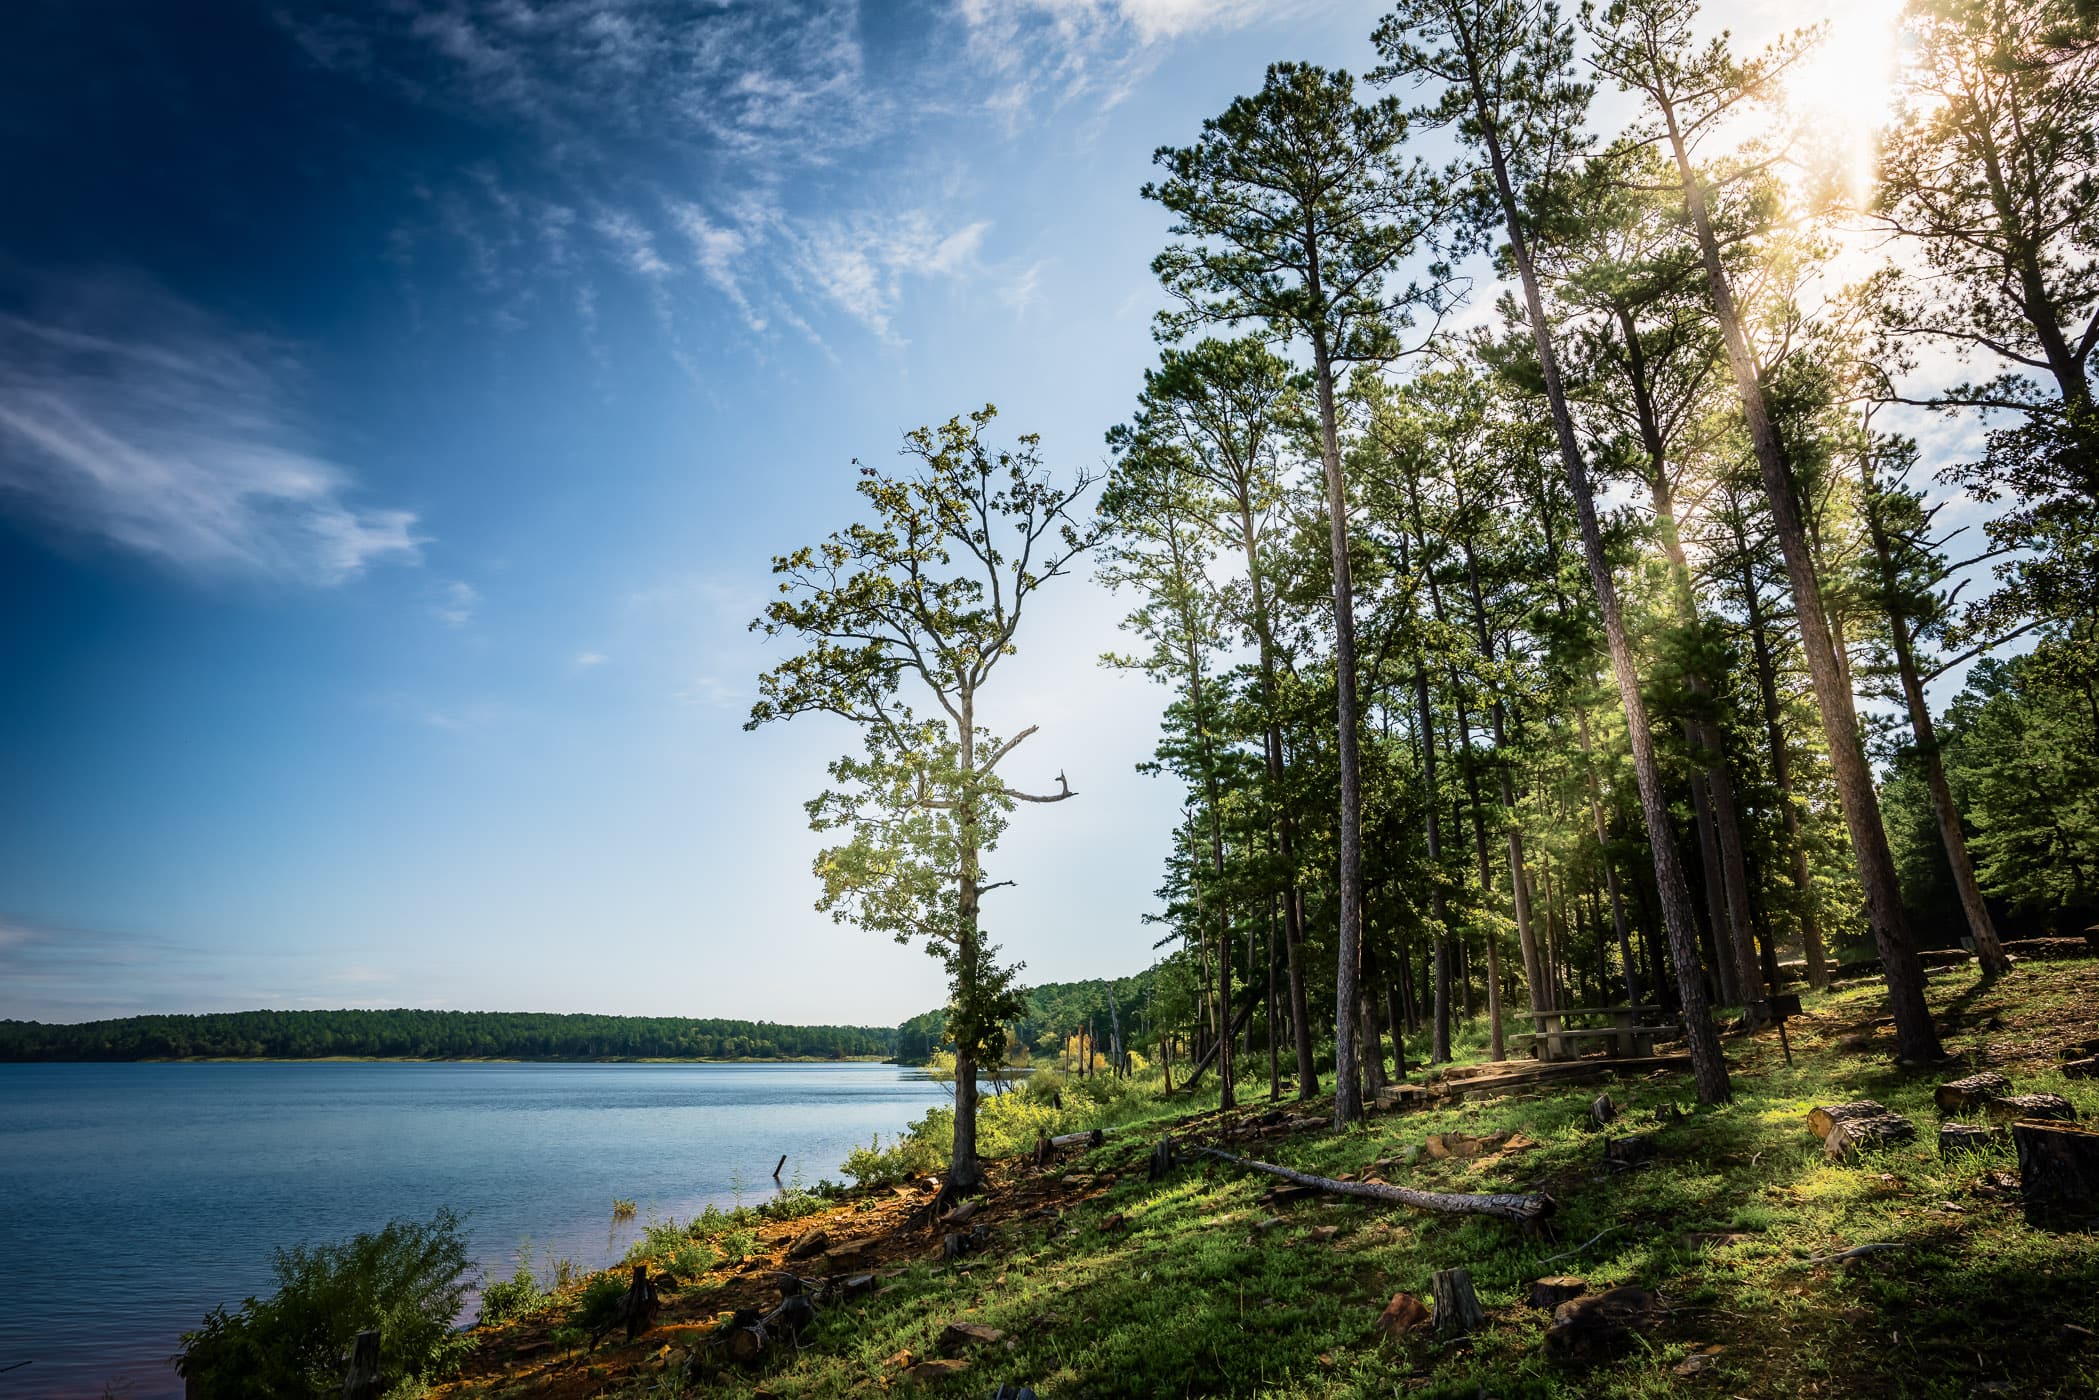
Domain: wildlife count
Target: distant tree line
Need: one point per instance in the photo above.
(437, 1035)
(1049, 1014)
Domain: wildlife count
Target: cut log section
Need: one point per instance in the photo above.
(2087, 1068)
(2050, 1108)
(1458, 1310)
(2058, 1175)
(1873, 1130)
(1523, 1209)
(1549, 1293)
(1956, 1138)
(1091, 1139)
(1968, 1095)
(1821, 1120)
(1623, 1154)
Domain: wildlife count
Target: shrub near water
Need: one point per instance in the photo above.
(407, 1281)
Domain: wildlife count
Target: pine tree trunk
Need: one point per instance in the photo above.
(1915, 1037)
(1988, 951)
(1811, 945)
(1348, 1091)
(1709, 1069)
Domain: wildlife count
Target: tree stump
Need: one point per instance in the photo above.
(1548, 1293)
(1873, 1130)
(1458, 1311)
(1821, 1120)
(1592, 1328)
(1162, 1160)
(1956, 1138)
(2058, 1175)
(1623, 1154)
(638, 1310)
(1603, 1111)
(1970, 1094)
(361, 1381)
(2049, 1108)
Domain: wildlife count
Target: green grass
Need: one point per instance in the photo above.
(1188, 1297)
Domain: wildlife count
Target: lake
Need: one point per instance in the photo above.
(135, 1197)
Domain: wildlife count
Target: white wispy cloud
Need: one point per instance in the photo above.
(860, 267)
(587, 659)
(1023, 291)
(455, 603)
(130, 417)
(634, 244)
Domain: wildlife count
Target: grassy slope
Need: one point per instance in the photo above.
(1186, 1295)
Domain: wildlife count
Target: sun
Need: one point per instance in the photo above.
(1841, 94)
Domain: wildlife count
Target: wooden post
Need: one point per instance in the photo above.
(362, 1380)
(778, 1166)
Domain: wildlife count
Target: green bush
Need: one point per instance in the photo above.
(407, 1281)
(673, 1248)
(597, 1309)
(912, 1154)
(512, 1297)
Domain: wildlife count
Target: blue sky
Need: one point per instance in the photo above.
(399, 405)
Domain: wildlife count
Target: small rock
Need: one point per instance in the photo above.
(1115, 1221)
(813, 1243)
(957, 1335)
(1405, 1314)
(1264, 1226)
(934, 1370)
(1323, 1234)
(1698, 1362)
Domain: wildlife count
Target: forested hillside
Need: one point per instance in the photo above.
(434, 1035)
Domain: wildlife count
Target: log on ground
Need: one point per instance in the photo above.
(2050, 1108)
(1956, 1138)
(1524, 1209)
(1967, 1095)
(1873, 1130)
(1821, 1120)
(2058, 1175)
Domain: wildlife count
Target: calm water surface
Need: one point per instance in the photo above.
(133, 1198)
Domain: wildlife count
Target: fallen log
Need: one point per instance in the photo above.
(1872, 1130)
(1548, 1293)
(1967, 1095)
(2052, 1108)
(2058, 1175)
(1821, 1120)
(1956, 1138)
(1091, 1138)
(2086, 1068)
(1523, 1209)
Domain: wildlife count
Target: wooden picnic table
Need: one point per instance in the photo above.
(1626, 1036)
